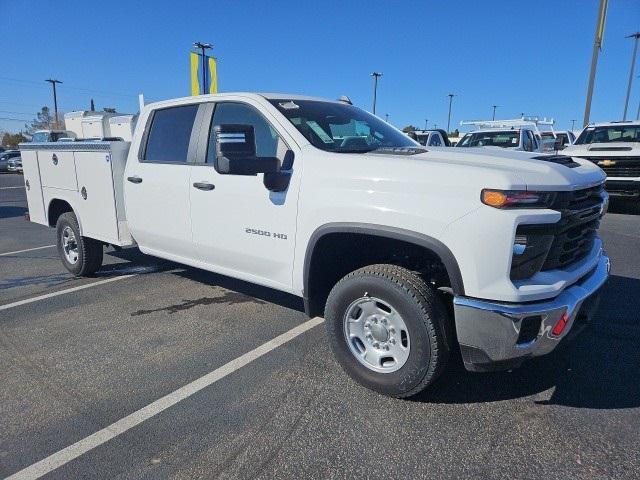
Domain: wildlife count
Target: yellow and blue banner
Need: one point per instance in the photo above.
(195, 61)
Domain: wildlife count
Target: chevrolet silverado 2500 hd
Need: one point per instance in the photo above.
(407, 251)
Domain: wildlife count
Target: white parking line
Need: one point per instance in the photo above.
(8, 188)
(25, 250)
(63, 292)
(96, 439)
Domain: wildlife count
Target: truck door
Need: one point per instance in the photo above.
(156, 184)
(239, 227)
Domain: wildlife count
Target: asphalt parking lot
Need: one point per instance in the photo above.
(78, 362)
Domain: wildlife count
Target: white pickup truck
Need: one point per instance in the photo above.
(409, 252)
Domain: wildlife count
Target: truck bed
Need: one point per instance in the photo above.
(88, 176)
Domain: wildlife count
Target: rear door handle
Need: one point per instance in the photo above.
(204, 186)
(135, 179)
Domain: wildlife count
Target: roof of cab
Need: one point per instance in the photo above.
(255, 96)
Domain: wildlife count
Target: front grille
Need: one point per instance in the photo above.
(575, 233)
(573, 236)
(623, 166)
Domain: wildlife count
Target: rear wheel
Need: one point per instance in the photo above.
(387, 329)
(80, 255)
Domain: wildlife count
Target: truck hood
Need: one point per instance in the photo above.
(520, 169)
(619, 149)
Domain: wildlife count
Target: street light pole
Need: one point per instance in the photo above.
(597, 45)
(494, 111)
(573, 122)
(451, 95)
(55, 97)
(633, 66)
(203, 47)
(386, 117)
(375, 76)
(426, 122)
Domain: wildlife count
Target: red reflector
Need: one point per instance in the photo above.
(559, 328)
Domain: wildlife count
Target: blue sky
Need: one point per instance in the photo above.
(530, 57)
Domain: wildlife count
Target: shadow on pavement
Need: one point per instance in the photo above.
(599, 369)
(11, 212)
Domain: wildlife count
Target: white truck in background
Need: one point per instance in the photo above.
(409, 252)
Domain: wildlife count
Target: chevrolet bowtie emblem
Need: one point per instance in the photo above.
(606, 163)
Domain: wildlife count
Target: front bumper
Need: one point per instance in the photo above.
(499, 336)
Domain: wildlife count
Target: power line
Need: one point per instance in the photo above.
(71, 87)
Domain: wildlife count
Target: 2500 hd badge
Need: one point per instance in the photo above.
(265, 233)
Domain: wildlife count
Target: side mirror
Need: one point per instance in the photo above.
(236, 151)
(279, 181)
(559, 144)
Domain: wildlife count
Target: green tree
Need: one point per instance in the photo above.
(409, 128)
(11, 140)
(43, 121)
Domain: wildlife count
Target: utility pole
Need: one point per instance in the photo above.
(375, 76)
(451, 95)
(426, 122)
(55, 97)
(494, 111)
(573, 122)
(597, 46)
(203, 47)
(633, 66)
(386, 117)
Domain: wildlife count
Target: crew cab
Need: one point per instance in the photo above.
(614, 147)
(408, 252)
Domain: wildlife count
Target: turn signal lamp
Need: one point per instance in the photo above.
(516, 199)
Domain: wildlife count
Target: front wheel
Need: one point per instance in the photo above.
(386, 327)
(80, 255)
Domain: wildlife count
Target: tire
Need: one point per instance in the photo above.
(87, 251)
(409, 303)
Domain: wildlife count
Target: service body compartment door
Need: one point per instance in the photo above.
(57, 169)
(33, 186)
(96, 204)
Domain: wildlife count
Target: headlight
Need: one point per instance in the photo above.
(517, 198)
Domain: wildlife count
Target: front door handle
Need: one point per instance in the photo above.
(134, 179)
(204, 186)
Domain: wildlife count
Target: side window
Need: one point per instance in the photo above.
(434, 141)
(268, 143)
(169, 134)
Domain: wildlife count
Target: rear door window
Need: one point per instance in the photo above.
(170, 133)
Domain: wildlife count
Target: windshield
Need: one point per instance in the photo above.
(613, 133)
(341, 128)
(40, 137)
(505, 139)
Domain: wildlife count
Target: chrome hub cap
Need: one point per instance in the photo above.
(376, 334)
(69, 245)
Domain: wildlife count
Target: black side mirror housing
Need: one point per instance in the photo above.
(279, 181)
(559, 145)
(236, 151)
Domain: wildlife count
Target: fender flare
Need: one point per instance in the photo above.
(436, 246)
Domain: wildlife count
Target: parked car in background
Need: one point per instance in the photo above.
(510, 138)
(42, 136)
(614, 147)
(559, 138)
(5, 157)
(15, 164)
(431, 138)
